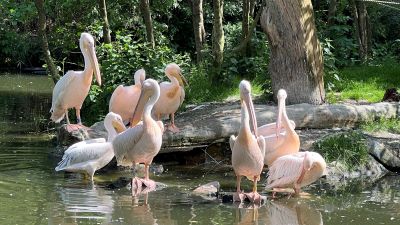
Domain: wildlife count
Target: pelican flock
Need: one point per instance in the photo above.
(143, 104)
(88, 156)
(71, 90)
(124, 99)
(172, 95)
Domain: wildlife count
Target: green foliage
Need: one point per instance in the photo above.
(348, 148)
(388, 125)
(364, 82)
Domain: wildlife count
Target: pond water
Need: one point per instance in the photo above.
(32, 193)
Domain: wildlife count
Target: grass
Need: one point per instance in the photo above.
(348, 148)
(365, 82)
(388, 125)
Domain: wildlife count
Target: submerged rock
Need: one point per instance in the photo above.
(208, 191)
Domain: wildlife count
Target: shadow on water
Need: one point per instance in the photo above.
(32, 193)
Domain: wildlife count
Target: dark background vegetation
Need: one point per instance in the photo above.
(174, 42)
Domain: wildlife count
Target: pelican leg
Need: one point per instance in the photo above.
(238, 196)
(150, 184)
(254, 196)
(78, 116)
(172, 126)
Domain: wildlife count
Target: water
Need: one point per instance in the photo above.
(32, 193)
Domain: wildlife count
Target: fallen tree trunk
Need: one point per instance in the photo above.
(206, 124)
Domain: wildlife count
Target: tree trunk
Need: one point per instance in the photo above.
(51, 67)
(360, 17)
(198, 27)
(218, 40)
(332, 12)
(145, 8)
(106, 26)
(296, 63)
(252, 7)
(245, 41)
(245, 23)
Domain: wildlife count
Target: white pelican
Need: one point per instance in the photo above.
(140, 143)
(71, 90)
(88, 156)
(296, 170)
(172, 95)
(248, 149)
(284, 142)
(124, 99)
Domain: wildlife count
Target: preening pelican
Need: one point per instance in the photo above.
(140, 143)
(172, 95)
(296, 170)
(71, 90)
(286, 141)
(88, 156)
(248, 149)
(124, 99)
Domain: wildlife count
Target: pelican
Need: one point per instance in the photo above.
(248, 149)
(172, 95)
(140, 143)
(296, 170)
(88, 156)
(71, 90)
(124, 99)
(285, 141)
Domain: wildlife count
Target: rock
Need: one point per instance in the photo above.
(385, 148)
(212, 123)
(339, 177)
(208, 191)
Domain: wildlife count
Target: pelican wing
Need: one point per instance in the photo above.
(125, 142)
(182, 96)
(58, 95)
(84, 153)
(261, 145)
(83, 143)
(285, 170)
(115, 95)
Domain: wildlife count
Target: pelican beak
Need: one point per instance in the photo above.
(138, 113)
(252, 114)
(182, 80)
(281, 106)
(95, 64)
(118, 126)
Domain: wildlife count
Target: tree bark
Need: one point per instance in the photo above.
(145, 8)
(245, 23)
(360, 17)
(51, 67)
(296, 56)
(332, 12)
(252, 7)
(218, 39)
(198, 27)
(106, 25)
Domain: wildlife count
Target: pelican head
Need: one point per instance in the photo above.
(86, 43)
(139, 77)
(148, 97)
(281, 96)
(174, 70)
(245, 97)
(113, 123)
